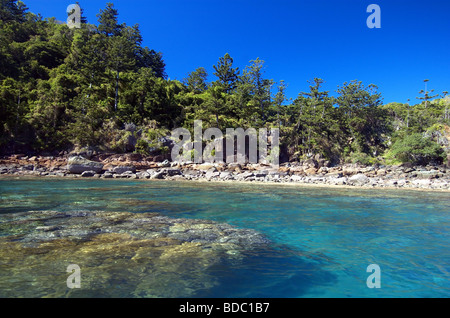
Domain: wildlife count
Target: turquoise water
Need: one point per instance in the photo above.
(323, 239)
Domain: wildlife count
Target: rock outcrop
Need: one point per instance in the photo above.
(78, 165)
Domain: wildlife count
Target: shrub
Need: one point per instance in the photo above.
(142, 147)
(362, 158)
(417, 149)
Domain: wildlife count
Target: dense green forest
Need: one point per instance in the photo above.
(98, 87)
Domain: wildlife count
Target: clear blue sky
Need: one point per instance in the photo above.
(298, 39)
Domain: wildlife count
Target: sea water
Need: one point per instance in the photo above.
(322, 239)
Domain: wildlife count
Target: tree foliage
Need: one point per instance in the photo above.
(417, 149)
(62, 87)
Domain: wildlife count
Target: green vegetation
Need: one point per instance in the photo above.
(97, 86)
(417, 149)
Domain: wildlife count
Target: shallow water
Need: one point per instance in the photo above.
(323, 239)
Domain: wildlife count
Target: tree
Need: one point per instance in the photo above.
(361, 117)
(83, 18)
(146, 58)
(10, 101)
(260, 88)
(215, 102)
(88, 57)
(226, 74)
(8, 65)
(58, 85)
(314, 130)
(417, 149)
(108, 21)
(12, 10)
(426, 94)
(241, 99)
(446, 113)
(279, 99)
(122, 49)
(196, 81)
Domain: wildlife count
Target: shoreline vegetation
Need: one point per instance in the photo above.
(99, 87)
(306, 173)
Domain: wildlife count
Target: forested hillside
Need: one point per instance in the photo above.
(99, 87)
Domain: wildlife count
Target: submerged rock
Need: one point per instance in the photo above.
(120, 254)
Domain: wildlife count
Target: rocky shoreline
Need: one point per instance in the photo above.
(309, 172)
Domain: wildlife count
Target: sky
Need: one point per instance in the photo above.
(298, 39)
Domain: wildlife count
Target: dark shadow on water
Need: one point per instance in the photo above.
(268, 273)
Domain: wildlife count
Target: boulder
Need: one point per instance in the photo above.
(78, 165)
(311, 171)
(226, 175)
(335, 174)
(234, 167)
(311, 163)
(192, 173)
(86, 152)
(143, 175)
(210, 174)
(158, 175)
(164, 164)
(134, 157)
(351, 171)
(122, 169)
(261, 173)
(172, 171)
(433, 174)
(107, 175)
(247, 174)
(296, 178)
(206, 166)
(284, 169)
(409, 170)
(359, 179)
(339, 181)
(422, 183)
(88, 174)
